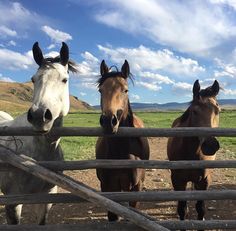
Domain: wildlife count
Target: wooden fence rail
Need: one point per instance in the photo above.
(107, 200)
(123, 132)
(124, 226)
(147, 164)
(159, 196)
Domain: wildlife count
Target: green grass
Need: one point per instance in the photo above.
(84, 147)
(228, 120)
(76, 148)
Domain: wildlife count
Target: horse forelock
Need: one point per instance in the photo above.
(208, 92)
(112, 74)
(50, 61)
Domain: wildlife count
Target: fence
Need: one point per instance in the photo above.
(43, 170)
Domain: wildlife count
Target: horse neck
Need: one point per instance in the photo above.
(191, 144)
(127, 119)
(119, 146)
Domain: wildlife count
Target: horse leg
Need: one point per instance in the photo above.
(180, 185)
(112, 187)
(42, 210)
(200, 205)
(136, 188)
(13, 214)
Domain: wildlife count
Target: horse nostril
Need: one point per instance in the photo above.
(48, 115)
(29, 116)
(101, 120)
(114, 120)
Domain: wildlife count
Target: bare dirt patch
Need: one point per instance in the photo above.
(155, 180)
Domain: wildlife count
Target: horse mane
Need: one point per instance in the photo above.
(130, 115)
(72, 66)
(184, 116)
(113, 74)
(208, 92)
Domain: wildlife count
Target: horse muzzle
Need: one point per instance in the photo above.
(40, 118)
(109, 124)
(210, 146)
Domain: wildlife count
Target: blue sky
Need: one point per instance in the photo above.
(168, 44)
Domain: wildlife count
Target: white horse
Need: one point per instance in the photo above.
(50, 104)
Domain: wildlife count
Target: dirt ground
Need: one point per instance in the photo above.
(155, 180)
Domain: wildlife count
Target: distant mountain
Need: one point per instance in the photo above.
(224, 103)
(17, 97)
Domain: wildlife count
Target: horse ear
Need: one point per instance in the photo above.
(125, 69)
(196, 89)
(37, 53)
(103, 68)
(64, 54)
(215, 87)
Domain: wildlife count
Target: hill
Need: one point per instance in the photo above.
(17, 97)
(224, 104)
(174, 106)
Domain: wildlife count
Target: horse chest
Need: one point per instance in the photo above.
(122, 148)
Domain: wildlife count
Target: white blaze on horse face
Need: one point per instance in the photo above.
(51, 90)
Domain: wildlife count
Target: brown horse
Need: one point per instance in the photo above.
(116, 112)
(202, 112)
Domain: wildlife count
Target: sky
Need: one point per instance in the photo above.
(168, 44)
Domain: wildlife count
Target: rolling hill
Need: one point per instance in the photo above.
(174, 106)
(17, 97)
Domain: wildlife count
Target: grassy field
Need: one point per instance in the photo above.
(84, 147)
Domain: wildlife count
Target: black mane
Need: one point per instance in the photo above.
(208, 92)
(184, 116)
(71, 64)
(112, 74)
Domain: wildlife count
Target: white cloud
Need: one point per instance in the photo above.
(157, 77)
(15, 19)
(89, 85)
(229, 92)
(188, 26)
(83, 93)
(89, 68)
(5, 79)
(5, 31)
(231, 3)
(149, 86)
(52, 54)
(11, 43)
(51, 46)
(182, 86)
(14, 60)
(143, 58)
(225, 70)
(56, 35)
(135, 97)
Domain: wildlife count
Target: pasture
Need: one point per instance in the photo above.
(76, 148)
(83, 147)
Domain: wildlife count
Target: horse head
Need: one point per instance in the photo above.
(113, 86)
(51, 91)
(204, 112)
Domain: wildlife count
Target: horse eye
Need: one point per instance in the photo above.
(126, 91)
(65, 80)
(32, 80)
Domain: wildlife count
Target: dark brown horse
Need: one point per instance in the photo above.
(202, 112)
(116, 112)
